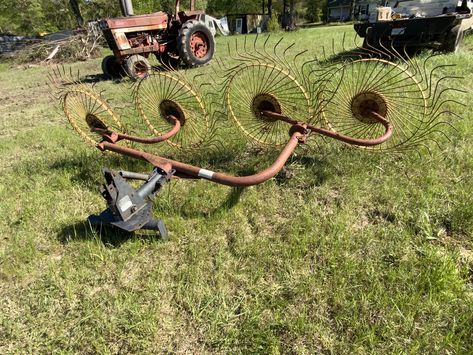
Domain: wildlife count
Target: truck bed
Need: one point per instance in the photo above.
(413, 32)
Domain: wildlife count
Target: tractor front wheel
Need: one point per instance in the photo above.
(137, 67)
(196, 44)
(111, 67)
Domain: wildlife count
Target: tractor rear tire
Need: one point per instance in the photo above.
(196, 44)
(137, 67)
(111, 67)
(453, 40)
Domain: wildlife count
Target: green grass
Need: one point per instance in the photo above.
(346, 252)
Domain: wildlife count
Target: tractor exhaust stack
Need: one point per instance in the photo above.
(126, 6)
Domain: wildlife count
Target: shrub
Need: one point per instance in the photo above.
(273, 23)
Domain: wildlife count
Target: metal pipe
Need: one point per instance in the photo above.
(196, 172)
(115, 137)
(149, 187)
(133, 176)
(126, 6)
(350, 140)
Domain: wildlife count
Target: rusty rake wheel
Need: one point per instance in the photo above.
(375, 85)
(87, 111)
(164, 94)
(258, 87)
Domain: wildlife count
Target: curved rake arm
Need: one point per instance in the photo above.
(350, 140)
(114, 137)
(191, 171)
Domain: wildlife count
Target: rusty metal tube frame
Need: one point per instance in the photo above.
(114, 137)
(346, 139)
(191, 171)
(298, 133)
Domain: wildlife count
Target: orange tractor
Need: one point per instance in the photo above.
(174, 39)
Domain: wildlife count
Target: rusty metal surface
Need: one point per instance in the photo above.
(114, 137)
(157, 18)
(196, 172)
(343, 138)
(139, 50)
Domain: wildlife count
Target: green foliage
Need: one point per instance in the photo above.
(222, 7)
(30, 17)
(150, 6)
(58, 15)
(315, 10)
(25, 17)
(97, 9)
(273, 23)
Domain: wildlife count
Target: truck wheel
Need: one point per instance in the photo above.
(195, 43)
(137, 67)
(111, 67)
(453, 40)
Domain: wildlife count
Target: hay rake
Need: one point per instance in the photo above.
(275, 97)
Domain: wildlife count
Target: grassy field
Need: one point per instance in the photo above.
(345, 252)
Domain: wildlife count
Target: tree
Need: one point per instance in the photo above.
(27, 17)
(223, 7)
(289, 15)
(76, 11)
(97, 9)
(315, 10)
(58, 14)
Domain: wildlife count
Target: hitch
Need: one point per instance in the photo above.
(130, 209)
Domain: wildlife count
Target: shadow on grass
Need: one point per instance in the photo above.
(87, 169)
(109, 236)
(347, 55)
(317, 171)
(84, 231)
(231, 201)
(114, 237)
(94, 78)
(386, 53)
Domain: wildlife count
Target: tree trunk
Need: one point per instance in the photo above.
(292, 15)
(192, 5)
(352, 10)
(76, 11)
(270, 7)
(285, 15)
